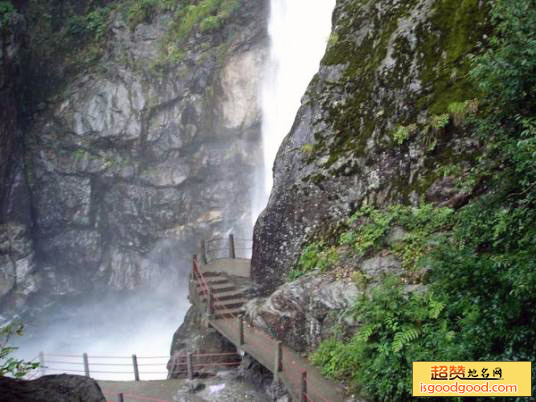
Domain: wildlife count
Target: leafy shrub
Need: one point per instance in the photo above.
(314, 257)
(397, 328)
(8, 364)
(402, 133)
(205, 15)
(6, 10)
(211, 23)
(94, 24)
(460, 110)
(480, 303)
(141, 11)
(440, 121)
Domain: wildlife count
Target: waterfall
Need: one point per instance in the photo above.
(299, 31)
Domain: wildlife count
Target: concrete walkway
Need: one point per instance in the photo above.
(163, 390)
(230, 266)
(261, 346)
(224, 387)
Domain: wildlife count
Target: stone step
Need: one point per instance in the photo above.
(222, 288)
(220, 285)
(215, 281)
(208, 274)
(220, 316)
(233, 308)
(233, 305)
(225, 299)
(228, 304)
(229, 294)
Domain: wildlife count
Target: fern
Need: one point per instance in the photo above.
(405, 337)
(365, 333)
(436, 307)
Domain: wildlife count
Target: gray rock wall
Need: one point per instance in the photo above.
(367, 130)
(126, 163)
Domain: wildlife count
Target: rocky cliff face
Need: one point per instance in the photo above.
(374, 126)
(135, 155)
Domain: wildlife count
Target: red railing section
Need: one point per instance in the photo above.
(304, 382)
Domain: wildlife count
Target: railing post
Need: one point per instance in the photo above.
(42, 363)
(232, 251)
(135, 365)
(304, 386)
(86, 364)
(210, 307)
(204, 257)
(278, 366)
(241, 330)
(120, 397)
(189, 366)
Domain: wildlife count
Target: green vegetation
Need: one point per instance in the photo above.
(333, 39)
(397, 328)
(402, 133)
(66, 38)
(440, 121)
(205, 15)
(140, 11)
(8, 364)
(445, 44)
(366, 232)
(308, 148)
(6, 11)
(92, 26)
(480, 299)
(314, 257)
(459, 111)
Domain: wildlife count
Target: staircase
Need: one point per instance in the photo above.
(227, 298)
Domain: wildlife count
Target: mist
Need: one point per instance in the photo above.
(114, 323)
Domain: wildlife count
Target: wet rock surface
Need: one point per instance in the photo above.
(373, 128)
(123, 164)
(58, 388)
(195, 336)
(302, 313)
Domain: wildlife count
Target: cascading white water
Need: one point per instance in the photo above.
(299, 31)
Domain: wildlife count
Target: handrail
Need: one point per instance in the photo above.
(198, 276)
(83, 364)
(281, 360)
(226, 249)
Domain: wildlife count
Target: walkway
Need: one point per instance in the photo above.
(223, 301)
(156, 390)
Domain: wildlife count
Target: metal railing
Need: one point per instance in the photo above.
(136, 366)
(303, 381)
(88, 365)
(225, 247)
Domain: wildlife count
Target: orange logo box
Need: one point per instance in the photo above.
(472, 378)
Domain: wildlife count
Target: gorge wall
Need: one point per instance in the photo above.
(136, 135)
(368, 131)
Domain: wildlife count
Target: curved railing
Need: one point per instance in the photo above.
(225, 247)
(304, 382)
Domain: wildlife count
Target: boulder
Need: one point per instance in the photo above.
(51, 388)
(302, 313)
